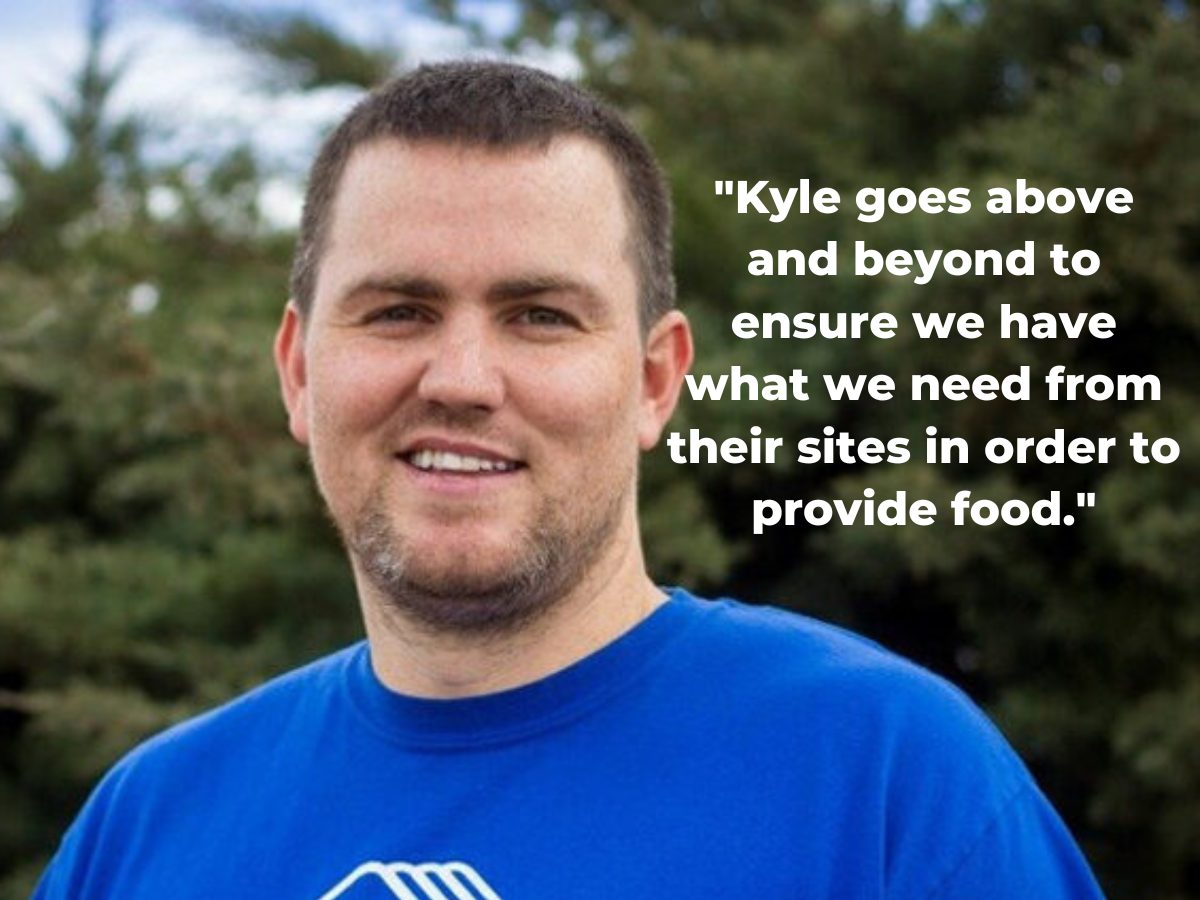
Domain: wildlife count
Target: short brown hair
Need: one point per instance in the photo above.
(496, 105)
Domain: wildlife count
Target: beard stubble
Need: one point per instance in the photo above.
(553, 554)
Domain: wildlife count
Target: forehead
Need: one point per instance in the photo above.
(554, 166)
(449, 207)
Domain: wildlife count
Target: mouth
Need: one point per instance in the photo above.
(460, 460)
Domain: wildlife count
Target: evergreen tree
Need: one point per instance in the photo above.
(161, 547)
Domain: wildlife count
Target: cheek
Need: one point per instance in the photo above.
(588, 401)
(351, 398)
(353, 393)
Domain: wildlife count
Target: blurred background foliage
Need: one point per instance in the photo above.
(161, 547)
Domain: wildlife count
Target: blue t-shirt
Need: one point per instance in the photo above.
(715, 750)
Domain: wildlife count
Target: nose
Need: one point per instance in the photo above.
(463, 369)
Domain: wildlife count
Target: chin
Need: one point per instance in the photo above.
(462, 595)
(478, 575)
(465, 572)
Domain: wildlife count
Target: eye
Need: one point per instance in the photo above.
(544, 317)
(397, 314)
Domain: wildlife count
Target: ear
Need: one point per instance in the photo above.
(291, 367)
(668, 356)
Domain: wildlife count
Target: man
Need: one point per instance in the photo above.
(481, 340)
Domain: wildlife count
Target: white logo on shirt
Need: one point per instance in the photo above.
(420, 881)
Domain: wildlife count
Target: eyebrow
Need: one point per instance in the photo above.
(521, 287)
(400, 284)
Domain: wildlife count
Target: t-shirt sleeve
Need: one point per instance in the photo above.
(965, 817)
(1024, 851)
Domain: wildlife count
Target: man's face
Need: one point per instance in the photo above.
(471, 379)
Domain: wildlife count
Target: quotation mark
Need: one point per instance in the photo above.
(1083, 501)
(723, 188)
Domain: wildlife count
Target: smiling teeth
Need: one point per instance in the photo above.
(443, 460)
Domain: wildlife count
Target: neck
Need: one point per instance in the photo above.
(614, 597)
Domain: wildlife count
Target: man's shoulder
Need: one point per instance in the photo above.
(784, 646)
(251, 720)
(785, 666)
(889, 739)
